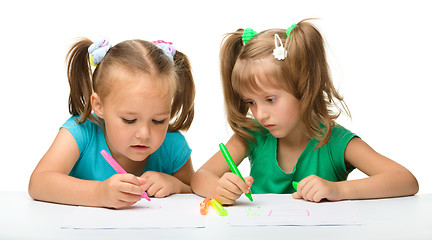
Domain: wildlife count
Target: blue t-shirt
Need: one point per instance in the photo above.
(169, 158)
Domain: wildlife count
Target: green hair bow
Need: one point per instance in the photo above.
(290, 29)
(248, 33)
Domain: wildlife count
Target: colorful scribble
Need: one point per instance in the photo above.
(289, 213)
(152, 207)
(255, 211)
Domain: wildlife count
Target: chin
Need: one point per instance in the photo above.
(278, 134)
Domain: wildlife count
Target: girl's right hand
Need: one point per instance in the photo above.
(230, 187)
(120, 190)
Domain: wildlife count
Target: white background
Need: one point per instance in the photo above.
(379, 53)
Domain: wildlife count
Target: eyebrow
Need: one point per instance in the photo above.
(164, 113)
(158, 114)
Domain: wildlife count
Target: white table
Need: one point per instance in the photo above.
(404, 218)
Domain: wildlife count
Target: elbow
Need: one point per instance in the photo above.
(31, 191)
(194, 182)
(411, 184)
(198, 183)
(414, 186)
(32, 188)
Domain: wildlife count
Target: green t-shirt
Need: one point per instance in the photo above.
(327, 162)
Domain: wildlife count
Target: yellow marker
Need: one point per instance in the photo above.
(218, 207)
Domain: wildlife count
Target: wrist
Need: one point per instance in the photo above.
(344, 190)
(181, 187)
(98, 195)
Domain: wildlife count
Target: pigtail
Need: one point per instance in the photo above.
(236, 108)
(183, 102)
(80, 80)
(315, 90)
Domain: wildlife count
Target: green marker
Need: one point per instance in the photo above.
(294, 184)
(233, 166)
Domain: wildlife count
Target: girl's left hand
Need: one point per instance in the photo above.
(315, 189)
(158, 184)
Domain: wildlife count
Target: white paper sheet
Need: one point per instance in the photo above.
(278, 209)
(176, 211)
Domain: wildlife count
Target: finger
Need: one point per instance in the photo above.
(153, 189)
(226, 182)
(302, 183)
(129, 198)
(130, 178)
(296, 195)
(131, 189)
(161, 193)
(249, 181)
(318, 196)
(146, 183)
(226, 193)
(146, 174)
(131, 184)
(224, 201)
(122, 204)
(142, 180)
(239, 183)
(313, 190)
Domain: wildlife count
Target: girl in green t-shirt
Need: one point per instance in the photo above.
(282, 78)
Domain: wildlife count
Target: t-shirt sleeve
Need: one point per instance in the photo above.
(179, 152)
(338, 142)
(77, 132)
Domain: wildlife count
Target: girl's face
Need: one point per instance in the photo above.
(136, 113)
(275, 109)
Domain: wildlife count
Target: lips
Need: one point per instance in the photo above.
(140, 147)
(269, 126)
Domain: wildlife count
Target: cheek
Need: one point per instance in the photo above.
(159, 134)
(116, 133)
(289, 114)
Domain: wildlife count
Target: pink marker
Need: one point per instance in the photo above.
(118, 168)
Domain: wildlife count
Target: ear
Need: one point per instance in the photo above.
(96, 104)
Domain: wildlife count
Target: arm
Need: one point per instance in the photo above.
(214, 179)
(50, 180)
(160, 185)
(386, 178)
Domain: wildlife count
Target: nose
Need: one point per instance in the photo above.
(143, 131)
(261, 114)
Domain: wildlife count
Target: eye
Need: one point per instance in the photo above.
(250, 102)
(271, 100)
(157, 122)
(128, 121)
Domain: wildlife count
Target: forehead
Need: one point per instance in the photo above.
(135, 91)
(121, 80)
(255, 76)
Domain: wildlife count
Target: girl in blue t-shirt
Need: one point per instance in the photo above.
(132, 105)
(281, 77)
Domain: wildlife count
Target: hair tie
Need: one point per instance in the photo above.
(279, 52)
(167, 48)
(248, 33)
(290, 29)
(98, 51)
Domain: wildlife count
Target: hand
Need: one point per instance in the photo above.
(315, 189)
(120, 190)
(159, 184)
(230, 187)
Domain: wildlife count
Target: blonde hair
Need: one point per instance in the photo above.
(304, 73)
(136, 56)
